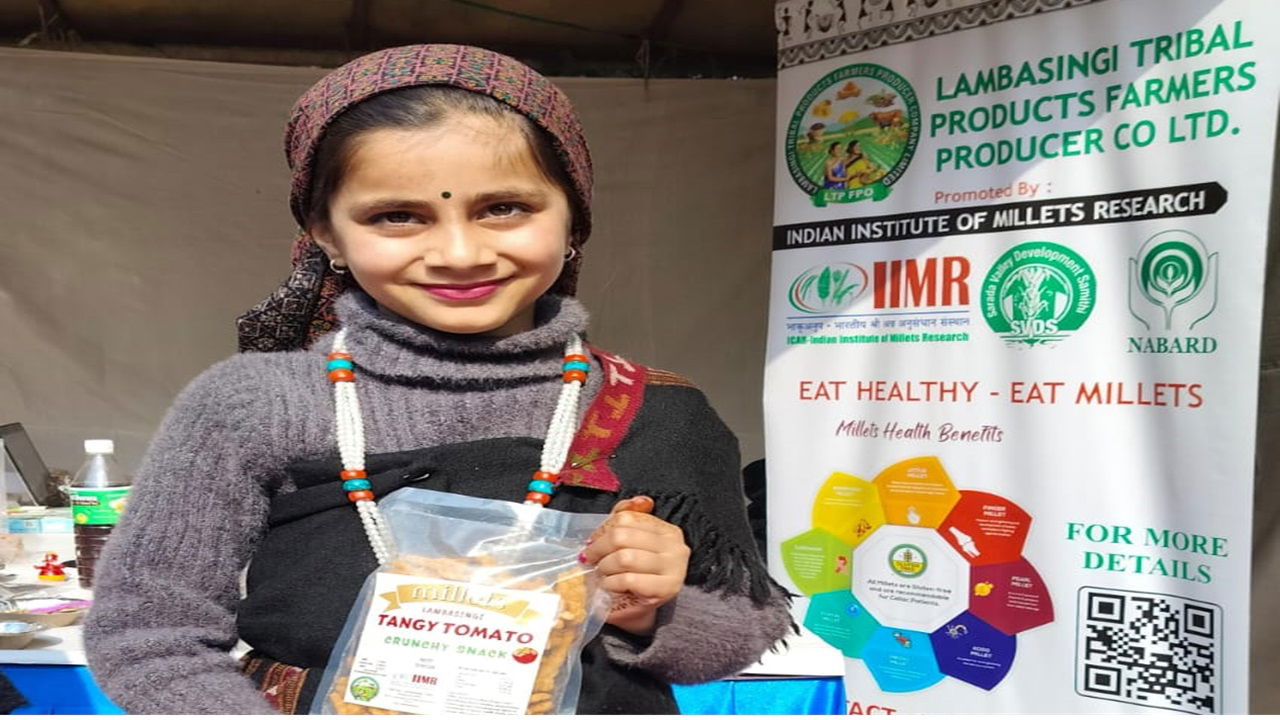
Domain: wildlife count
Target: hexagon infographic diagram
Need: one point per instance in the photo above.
(917, 579)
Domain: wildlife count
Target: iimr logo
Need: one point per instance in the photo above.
(828, 289)
(895, 284)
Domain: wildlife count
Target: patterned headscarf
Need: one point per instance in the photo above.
(302, 308)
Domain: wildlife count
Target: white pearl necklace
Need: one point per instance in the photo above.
(351, 442)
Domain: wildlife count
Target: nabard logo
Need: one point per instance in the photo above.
(1173, 287)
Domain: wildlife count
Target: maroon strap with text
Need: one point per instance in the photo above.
(605, 423)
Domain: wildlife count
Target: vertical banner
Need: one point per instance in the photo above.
(1013, 346)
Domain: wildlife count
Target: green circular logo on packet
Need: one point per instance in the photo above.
(853, 134)
(1038, 293)
(364, 689)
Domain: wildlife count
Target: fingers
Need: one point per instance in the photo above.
(627, 521)
(636, 551)
(638, 561)
(632, 512)
(642, 561)
(633, 530)
(643, 587)
(639, 503)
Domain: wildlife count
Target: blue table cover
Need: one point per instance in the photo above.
(775, 696)
(58, 690)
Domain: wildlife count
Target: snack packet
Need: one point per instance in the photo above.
(484, 609)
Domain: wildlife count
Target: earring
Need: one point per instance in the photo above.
(573, 253)
(336, 268)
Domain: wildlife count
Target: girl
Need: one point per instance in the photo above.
(861, 170)
(445, 196)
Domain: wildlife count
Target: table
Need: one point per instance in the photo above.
(51, 672)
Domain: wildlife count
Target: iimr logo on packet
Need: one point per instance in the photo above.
(1038, 293)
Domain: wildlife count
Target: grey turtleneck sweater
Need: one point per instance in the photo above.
(167, 586)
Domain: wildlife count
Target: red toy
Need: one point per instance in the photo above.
(51, 570)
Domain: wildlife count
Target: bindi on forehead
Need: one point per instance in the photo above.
(446, 194)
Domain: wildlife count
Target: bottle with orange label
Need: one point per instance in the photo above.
(98, 494)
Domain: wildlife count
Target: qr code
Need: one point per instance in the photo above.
(1149, 649)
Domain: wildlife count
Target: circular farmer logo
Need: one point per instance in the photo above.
(907, 561)
(1038, 293)
(364, 689)
(827, 288)
(853, 134)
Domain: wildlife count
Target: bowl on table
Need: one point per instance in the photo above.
(17, 634)
(48, 611)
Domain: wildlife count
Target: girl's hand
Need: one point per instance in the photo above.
(643, 560)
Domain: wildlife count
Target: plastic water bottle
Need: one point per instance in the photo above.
(98, 495)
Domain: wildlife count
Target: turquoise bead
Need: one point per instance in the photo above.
(341, 365)
(579, 366)
(542, 486)
(356, 485)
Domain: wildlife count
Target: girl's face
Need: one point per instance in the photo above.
(453, 227)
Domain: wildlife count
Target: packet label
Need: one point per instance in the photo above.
(430, 646)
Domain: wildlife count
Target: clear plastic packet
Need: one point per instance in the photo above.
(484, 609)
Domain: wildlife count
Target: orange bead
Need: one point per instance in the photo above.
(359, 495)
(577, 358)
(540, 498)
(342, 376)
(339, 356)
(353, 475)
(575, 375)
(544, 475)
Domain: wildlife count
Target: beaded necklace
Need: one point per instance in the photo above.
(350, 432)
